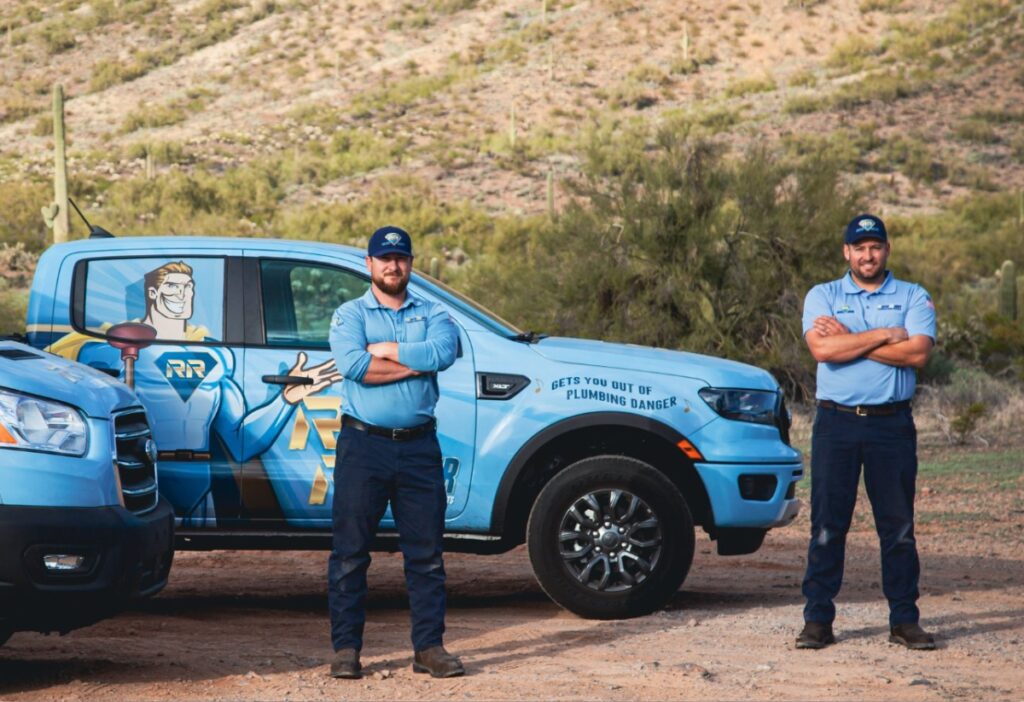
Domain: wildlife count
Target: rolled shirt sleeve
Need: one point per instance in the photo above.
(920, 319)
(437, 352)
(348, 342)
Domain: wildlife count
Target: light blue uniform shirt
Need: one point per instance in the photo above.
(895, 304)
(427, 342)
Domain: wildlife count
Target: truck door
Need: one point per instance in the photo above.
(185, 377)
(289, 481)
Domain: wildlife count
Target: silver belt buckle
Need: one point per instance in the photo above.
(860, 411)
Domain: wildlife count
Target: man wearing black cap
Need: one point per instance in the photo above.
(389, 345)
(868, 331)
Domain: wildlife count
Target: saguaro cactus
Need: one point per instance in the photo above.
(1008, 290)
(61, 221)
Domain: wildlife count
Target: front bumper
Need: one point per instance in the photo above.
(731, 508)
(126, 557)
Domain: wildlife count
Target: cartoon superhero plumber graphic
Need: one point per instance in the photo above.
(191, 395)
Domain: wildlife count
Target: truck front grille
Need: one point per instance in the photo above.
(135, 467)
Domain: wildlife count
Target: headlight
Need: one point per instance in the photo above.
(28, 422)
(757, 406)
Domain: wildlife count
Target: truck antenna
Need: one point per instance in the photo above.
(95, 232)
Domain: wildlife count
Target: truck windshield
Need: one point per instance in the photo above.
(468, 307)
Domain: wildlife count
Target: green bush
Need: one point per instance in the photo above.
(13, 308)
(805, 104)
(914, 157)
(749, 86)
(682, 246)
(976, 131)
(20, 219)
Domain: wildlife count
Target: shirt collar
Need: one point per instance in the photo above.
(411, 299)
(851, 288)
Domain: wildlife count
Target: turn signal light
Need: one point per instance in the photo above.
(690, 450)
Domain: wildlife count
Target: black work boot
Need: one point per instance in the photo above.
(346, 664)
(815, 635)
(912, 636)
(438, 662)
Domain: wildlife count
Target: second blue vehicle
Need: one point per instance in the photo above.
(601, 457)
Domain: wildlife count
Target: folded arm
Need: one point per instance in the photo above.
(830, 341)
(355, 359)
(435, 353)
(912, 353)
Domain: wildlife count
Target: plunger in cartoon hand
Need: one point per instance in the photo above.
(130, 337)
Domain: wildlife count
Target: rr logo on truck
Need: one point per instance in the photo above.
(191, 368)
(185, 371)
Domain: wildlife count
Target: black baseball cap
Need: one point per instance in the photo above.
(865, 226)
(389, 240)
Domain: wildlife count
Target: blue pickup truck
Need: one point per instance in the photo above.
(83, 529)
(601, 457)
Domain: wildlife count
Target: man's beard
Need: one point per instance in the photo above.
(396, 288)
(876, 278)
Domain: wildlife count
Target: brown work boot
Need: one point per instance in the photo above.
(815, 635)
(912, 636)
(346, 664)
(438, 662)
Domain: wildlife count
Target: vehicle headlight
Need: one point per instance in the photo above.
(35, 424)
(757, 406)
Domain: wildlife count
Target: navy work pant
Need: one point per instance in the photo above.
(369, 472)
(886, 446)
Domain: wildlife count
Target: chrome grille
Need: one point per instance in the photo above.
(135, 469)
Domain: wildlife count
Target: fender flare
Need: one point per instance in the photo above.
(583, 421)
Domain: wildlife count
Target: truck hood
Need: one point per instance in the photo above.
(716, 372)
(33, 372)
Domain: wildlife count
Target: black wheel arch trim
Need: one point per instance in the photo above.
(536, 443)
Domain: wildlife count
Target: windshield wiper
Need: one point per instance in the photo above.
(530, 337)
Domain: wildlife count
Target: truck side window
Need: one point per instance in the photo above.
(182, 298)
(299, 299)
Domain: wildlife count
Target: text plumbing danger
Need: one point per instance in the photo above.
(614, 392)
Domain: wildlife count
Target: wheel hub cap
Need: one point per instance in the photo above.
(610, 540)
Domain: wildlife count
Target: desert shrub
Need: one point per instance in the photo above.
(850, 55)
(803, 79)
(749, 86)
(976, 131)
(881, 87)
(954, 253)
(13, 308)
(913, 157)
(805, 104)
(20, 220)
(678, 245)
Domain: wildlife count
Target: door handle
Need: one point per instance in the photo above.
(287, 380)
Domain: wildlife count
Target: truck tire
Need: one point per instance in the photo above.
(610, 537)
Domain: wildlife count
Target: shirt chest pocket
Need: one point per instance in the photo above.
(415, 328)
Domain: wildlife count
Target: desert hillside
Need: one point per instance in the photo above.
(482, 99)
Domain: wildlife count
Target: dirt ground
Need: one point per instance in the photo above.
(253, 625)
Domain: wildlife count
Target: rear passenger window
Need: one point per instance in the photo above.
(299, 300)
(182, 298)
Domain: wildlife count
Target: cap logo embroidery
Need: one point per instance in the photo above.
(866, 224)
(393, 239)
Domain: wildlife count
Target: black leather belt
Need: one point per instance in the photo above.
(396, 434)
(866, 410)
